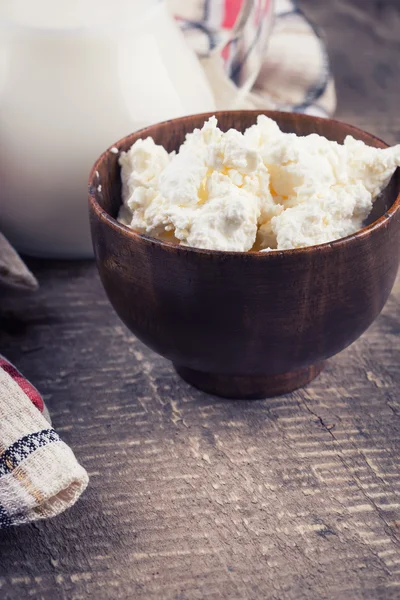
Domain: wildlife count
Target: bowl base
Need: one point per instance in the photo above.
(249, 387)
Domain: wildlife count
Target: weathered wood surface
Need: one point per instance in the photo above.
(192, 497)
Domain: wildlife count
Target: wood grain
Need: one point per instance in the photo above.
(190, 497)
(292, 498)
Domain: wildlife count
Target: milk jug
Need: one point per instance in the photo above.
(75, 77)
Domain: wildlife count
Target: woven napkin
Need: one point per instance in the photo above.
(39, 474)
(295, 75)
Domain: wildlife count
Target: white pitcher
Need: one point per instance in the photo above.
(74, 77)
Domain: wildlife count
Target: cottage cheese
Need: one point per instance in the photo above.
(263, 189)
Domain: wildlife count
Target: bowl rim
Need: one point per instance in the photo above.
(104, 216)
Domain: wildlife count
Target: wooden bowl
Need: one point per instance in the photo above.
(235, 324)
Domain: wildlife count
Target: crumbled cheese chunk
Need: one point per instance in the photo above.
(263, 189)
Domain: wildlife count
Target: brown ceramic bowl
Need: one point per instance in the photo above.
(236, 324)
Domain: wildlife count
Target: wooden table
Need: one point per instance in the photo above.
(193, 497)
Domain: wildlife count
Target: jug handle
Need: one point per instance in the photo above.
(235, 33)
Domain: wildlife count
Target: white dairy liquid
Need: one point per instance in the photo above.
(53, 14)
(73, 80)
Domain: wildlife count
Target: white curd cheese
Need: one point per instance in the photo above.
(263, 189)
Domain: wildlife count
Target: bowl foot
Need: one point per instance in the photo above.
(249, 387)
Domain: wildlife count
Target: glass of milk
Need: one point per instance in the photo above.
(74, 77)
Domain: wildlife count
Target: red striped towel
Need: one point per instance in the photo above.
(39, 474)
(291, 74)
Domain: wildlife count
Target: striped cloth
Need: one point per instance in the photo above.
(39, 474)
(293, 72)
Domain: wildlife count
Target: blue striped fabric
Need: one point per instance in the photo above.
(22, 448)
(5, 520)
(15, 454)
(39, 474)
